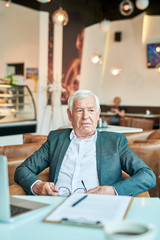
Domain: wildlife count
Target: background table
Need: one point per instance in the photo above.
(11, 140)
(135, 115)
(31, 226)
(120, 129)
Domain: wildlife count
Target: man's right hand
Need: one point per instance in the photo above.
(45, 188)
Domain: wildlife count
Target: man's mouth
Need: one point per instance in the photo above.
(85, 123)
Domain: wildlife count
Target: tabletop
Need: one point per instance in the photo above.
(108, 114)
(120, 129)
(31, 225)
(141, 115)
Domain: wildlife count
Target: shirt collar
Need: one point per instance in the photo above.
(73, 136)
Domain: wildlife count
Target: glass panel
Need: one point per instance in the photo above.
(16, 104)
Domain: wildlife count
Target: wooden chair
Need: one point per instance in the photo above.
(149, 152)
(106, 119)
(141, 136)
(125, 121)
(145, 124)
(34, 138)
(16, 154)
(16, 189)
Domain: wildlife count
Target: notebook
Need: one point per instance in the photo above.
(12, 206)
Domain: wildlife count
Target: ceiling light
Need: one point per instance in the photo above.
(60, 16)
(8, 3)
(142, 4)
(158, 49)
(104, 25)
(96, 58)
(126, 7)
(158, 67)
(44, 1)
(115, 71)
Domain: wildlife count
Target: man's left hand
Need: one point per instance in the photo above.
(108, 190)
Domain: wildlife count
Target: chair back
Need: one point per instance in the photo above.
(34, 138)
(16, 154)
(149, 152)
(145, 124)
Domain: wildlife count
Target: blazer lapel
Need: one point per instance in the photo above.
(57, 159)
(99, 149)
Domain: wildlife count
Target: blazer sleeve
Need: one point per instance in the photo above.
(141, 177)
(25, 174)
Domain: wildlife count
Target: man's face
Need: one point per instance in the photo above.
(84, 117)
(116, 103)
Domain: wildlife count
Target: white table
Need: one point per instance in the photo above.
(11, 140)
(140, 115)
(31, 226)
(108, 114)
(120, 129)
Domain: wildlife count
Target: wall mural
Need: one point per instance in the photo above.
(72, 66)
(50, 59)
(73, 35)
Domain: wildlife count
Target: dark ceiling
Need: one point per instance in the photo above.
(90, 11)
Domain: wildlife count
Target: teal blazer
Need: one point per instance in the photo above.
(112, 153)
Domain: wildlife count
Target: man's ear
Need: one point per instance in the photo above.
(69, 114)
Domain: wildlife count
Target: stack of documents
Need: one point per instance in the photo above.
(93, 210)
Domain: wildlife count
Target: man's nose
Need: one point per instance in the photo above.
(85, 114)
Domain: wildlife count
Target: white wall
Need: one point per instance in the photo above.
(24, 38)
(92, 74)
(136, 84)
(19, 38)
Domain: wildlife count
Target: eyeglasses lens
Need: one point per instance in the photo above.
(64, 191)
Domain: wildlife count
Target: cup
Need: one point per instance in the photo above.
(104, 124)
(100, 123)
(126, 230)
(148, 112)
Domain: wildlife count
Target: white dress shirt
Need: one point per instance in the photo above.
(79, 164)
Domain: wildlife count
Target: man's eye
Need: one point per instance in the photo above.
(79, 110)
(91, 110)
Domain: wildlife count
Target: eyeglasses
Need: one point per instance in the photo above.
(64, 191)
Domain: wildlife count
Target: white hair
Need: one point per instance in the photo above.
(82, 94)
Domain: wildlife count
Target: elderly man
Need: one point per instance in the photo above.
(83, 159)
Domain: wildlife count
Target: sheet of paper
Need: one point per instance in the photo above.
(94, 208)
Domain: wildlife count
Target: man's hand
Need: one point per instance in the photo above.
(115, 110)
(108, 190)
(45, 188)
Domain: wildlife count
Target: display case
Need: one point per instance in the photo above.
(17, 110)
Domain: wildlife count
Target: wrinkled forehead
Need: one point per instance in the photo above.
(88, 101)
